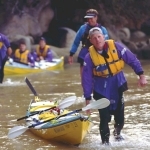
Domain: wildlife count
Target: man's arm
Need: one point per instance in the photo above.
(31, 60)
(105, 32)
(9, 51)
(77, 40)
(35, 56)
(76, 43)
(87, 80)
(49, 56)
(130, 59)
(87, 77)
(7, 44)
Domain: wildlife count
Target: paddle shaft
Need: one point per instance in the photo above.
(21, 63)
(26, 64)
(63, 104)
(36, 112)
(75, 111)
(94, 105)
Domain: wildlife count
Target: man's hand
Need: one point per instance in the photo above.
(37, 59)
(9, 51)
(88, 112)
(70, 59)
(41, 58)
(10, 60)
(142, 81)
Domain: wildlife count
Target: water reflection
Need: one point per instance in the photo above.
(15, 98)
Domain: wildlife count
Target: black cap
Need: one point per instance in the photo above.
(22, 41)
(42, 38)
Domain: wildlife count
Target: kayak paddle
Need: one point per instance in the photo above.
(63, 104)
(18, 130)
(32, 89)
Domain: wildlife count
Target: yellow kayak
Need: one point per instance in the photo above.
(18, 68)
(69, 129)
(53, 122)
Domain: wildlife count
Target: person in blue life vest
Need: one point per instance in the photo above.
(5, 53)
(82, 36)
(23, 55)
(43, 51)
(103, 76)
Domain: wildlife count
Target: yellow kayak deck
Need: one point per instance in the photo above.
(18, 68)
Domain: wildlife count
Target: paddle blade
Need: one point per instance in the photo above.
(30, 86)
(67, 102)
(16, 131)
(99, 104)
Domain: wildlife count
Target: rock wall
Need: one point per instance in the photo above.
(59, 21)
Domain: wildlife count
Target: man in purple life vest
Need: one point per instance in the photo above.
(5, 52)
(43, 51)
(103, 76)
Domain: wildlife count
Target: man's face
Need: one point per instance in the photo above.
(22, 47)
(98, 40)
(42, 43)
(92, 21)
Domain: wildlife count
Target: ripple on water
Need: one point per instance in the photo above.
(15, 97)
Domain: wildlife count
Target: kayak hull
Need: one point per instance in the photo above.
(72, 132)
(17, 68)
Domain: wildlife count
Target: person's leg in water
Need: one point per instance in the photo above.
(105, 118)
(2, 70)
(119, 118)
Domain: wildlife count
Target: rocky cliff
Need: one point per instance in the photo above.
(127, 21)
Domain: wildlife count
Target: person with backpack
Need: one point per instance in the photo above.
(82, 36)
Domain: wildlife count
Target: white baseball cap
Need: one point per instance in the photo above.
(91, 31)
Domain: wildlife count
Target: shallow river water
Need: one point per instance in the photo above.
(57, 85)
